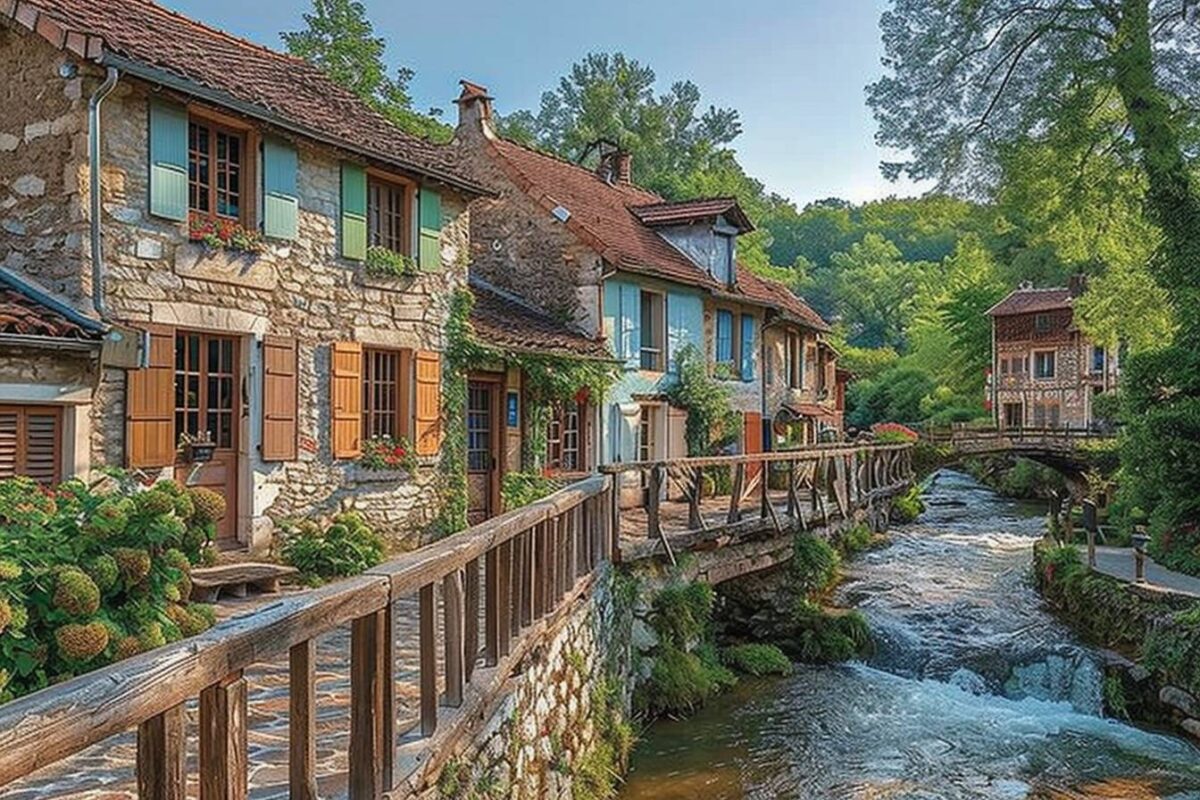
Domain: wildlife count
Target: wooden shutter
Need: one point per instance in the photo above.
(747, 347)
(281, 203)
(150, 404)
(168, 161)
(428, 422)
(31, 443)
(429, 251)
(346, 375)
(280, 398)
(354, 212)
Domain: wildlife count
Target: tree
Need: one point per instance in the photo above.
(340, 40)
(875, 290)
(1116, 79)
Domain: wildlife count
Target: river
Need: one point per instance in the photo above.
(974, 690)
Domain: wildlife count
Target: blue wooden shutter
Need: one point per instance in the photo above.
(747, 347)
(429, 250)
(724, 349)
(281, 203)
(631, 323)
(168, 161)
(354, 212)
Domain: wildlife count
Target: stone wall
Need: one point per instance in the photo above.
(547, 732)
(302, 289)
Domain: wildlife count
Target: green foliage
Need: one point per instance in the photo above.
(340, 40)
(855, 540)
(681, 613)
(825, 637)
(382, 262)
(680, 682)
(599, 771)
(387, 453)
(1019, 477)
(814, 565)
(756, 659)
(85, 571)
(519, 489)
(347, 546)
(908, 507)
(1113, 693)
(711, 422)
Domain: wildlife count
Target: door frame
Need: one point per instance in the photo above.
(495, 382)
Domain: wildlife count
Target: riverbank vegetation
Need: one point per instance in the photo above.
(1161, 635)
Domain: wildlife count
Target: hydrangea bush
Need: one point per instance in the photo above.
(94, 574)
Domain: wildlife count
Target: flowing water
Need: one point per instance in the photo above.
(974, 690)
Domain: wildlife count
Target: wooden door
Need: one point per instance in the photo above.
(483, 449)
(208, 401)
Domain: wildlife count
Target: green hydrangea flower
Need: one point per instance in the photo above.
(76, 594)
(10, 570)
(81, 642)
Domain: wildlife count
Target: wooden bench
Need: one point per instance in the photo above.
(236, 579)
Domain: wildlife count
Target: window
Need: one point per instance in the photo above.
(1046, 415)
(723, 260)
(1043, 364)
(795, 361)
(385, 393)
(389, 221)
(215, 160)
(724, 342)
(653, 333)
(31, 443)
(747, 347)
(1098, 358)
(205, 388)
(564, 439)
(1041, 323)
(1014, 415)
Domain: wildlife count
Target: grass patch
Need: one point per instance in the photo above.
(757, 659)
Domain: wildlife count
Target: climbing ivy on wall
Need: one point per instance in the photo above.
(548, 380)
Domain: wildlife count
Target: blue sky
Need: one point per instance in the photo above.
(795, 70)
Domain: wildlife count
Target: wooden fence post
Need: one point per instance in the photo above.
(653, 495)
(223, 758)
(453, 623)
(367, 652)
(427, 625)
(471, 621)
(302, 721)
(162, 757)
(735, 496)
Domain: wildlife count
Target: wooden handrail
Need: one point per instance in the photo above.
(540, 551)
(810, 453)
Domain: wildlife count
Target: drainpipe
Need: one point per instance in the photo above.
(110, 83)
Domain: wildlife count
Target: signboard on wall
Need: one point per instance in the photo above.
(125, 348)
(514, 410)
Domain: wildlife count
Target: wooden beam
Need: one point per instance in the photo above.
(162, 756)
(735, 495)
(453, 624)
(366, 706)
(471, 623)
(302, 721)
(223, 758)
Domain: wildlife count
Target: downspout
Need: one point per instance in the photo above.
(110, 83)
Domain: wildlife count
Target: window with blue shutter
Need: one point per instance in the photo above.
(354, 212)
(168, 161)
(724, 354)
(429, 250)
(281, 202)
(631, 323)
(747, 347)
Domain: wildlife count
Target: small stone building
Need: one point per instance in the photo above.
(273, 276)
(1045, 372)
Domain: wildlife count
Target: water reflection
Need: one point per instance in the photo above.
(974, 692)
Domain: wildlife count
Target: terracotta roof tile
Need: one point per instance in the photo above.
(1028, 301)
(605, 217)
(684, 211)
(505, 321)
(287, 88)
(27, 310)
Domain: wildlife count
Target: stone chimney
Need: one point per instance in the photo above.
(624, 162)
(1078, 284)
(615, 167)
(475, 110)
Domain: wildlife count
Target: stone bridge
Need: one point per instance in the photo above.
(1070, 451)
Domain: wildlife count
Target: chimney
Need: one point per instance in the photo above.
(475, 109)
(1078, 284)
(624, 160)
(615, 167)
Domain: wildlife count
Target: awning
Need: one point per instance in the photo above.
(811, 410)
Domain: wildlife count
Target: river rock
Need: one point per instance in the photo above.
(1192, 726)
(1180, 700)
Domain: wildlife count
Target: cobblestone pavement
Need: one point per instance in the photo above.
(106, 771)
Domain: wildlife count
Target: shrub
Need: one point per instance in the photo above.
(853, 541)
(346, 547)
(757, 659)
(523, 488)
(908, 507)
(680, 682)
(681, 613)
(825, 637)
(85, 569)
(893, 433)
(814, 565)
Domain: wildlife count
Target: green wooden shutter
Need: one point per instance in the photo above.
(281, 204)
(168, 161)
(354, 212)
(429, 252)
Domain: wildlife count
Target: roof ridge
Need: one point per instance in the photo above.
(703, 199)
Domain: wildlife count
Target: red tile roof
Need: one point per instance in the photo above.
(1028, 301)
(509, 323)
(290, 91)
(684, 211)
(28, 310)
(604, 217)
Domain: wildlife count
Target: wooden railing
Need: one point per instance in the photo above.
(514, 573)
(964, 434)
(818, 482)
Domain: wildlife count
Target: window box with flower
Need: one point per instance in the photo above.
(219, 233)
(383, 457)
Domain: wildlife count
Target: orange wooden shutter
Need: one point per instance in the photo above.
(280, 401)
(150, 404)
(346, 398)
(428, 429)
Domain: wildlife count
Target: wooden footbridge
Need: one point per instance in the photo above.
(1069, 450)
(470, 610)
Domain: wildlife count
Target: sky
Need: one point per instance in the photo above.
(794, 69)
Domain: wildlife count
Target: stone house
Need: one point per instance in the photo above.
(1045, 373)
(646, 276)
(239, 277)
